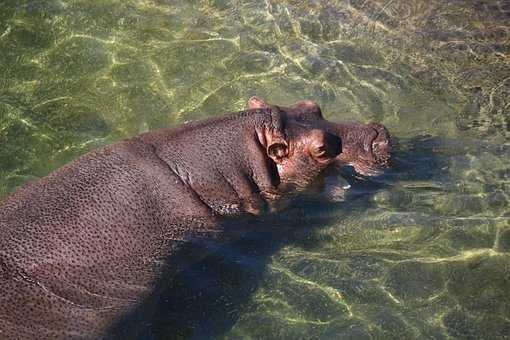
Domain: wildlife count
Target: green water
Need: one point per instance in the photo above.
(420, 252)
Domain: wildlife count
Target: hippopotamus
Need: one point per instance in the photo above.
(84, 247)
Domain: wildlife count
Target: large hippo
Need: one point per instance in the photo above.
(86, 246)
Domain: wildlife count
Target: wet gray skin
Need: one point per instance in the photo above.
(420, 251)
(86, 246)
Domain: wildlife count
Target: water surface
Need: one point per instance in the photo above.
(420, 252)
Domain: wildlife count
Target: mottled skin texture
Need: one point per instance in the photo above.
(365, 147)
(86, 245)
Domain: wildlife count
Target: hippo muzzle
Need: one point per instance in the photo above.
(366, 147)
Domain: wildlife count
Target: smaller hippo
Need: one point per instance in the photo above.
(84, 247)
(365, 147)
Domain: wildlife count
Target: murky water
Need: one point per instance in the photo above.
(420, 252)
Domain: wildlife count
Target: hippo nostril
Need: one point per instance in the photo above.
(380, 145)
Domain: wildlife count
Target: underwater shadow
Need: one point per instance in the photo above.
(206, 299)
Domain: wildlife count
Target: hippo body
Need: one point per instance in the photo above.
(85, 246)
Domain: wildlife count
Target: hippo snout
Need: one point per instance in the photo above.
(366, 147)
(381, 145)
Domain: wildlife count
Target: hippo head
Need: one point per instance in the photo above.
(310, 151)
(300, 156)
(365, 147)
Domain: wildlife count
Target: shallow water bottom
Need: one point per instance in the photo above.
(419, 252)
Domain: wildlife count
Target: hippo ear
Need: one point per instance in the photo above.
(278, 151)
(324, 147)
(257, 103)
(307, 107)
(274, 143)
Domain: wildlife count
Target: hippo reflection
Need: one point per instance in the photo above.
(87, 245)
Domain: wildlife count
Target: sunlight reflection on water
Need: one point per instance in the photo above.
(422, 251)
